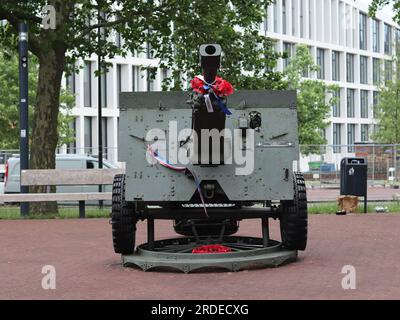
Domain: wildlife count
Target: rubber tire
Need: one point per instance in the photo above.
(122, 218)
(294, 217)
(185, 229)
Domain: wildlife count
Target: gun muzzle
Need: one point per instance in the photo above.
(210, 61)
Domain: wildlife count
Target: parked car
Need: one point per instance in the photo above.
(63, 161)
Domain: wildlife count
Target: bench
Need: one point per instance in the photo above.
(57, 177)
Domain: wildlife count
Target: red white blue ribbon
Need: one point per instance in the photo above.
(209, 87)
(165, 163)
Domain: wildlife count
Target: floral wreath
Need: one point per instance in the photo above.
(219, 88)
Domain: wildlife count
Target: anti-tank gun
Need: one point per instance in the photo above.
(244, 170)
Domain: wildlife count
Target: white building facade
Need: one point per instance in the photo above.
(353, 51)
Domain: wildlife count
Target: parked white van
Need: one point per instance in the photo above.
(63, 161)
(2, 177)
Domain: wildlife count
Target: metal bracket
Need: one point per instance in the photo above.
(161, 108)
(177, 254)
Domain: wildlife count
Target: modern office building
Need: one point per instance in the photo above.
(353, 51)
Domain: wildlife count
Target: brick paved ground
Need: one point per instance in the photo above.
(81, 251)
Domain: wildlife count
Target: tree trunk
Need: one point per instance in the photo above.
(45, 133)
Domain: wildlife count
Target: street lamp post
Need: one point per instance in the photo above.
(99, 110)
(23, 109)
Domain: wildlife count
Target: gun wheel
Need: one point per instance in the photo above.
(293, 219)
(122, 218)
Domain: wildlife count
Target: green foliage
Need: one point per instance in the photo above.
(313, 107)
(387, 111)
(378, 4)
(13, 213)
(66, 134)
(388, 108)
(9, 101)
(172, 30)
(332, 207)
(9, 98)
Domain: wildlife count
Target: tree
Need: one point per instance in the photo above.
(173, 30)
(379, 4)
(9, 105)
(387, 111)
(312, 103)
(9, 99)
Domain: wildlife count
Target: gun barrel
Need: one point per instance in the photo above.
(210, 61)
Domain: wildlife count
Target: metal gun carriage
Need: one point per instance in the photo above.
(246, 169)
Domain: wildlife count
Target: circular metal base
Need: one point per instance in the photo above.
(177, 254)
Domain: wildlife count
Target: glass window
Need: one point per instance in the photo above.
(119, 82)
(104, 136)
(302, 19)
(266, 19)
(376, 39)
(375, 101)
(71, 147)
(350, 103)
(70, 83)
(288, 48)
(88, 134)
(321, 63)
(350, 67)
(388, 70)
(284, 16)
(92, 164)
(134, 78)
(364, 133)
(398, 41)
(104, 89)
(336, 105)
(118, 40)
(351, 137)
(87, 84)
(375, 98)
(294, 19)
(364, 103)
(376, 74)
(335, 66)
(149, 51)
(363, 31)
(310, 14)
(150, 80)
(388, 39)
(164, 77)
(363, 70)
(164, 74)
(337, 138)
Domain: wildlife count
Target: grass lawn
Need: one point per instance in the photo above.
(12, 212)
(331, 207)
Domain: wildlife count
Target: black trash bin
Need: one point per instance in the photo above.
(354, 178)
